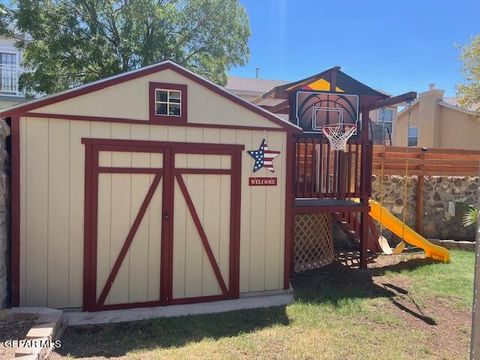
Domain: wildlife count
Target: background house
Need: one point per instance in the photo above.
(10, 70)
(250, 88)
(437, 122)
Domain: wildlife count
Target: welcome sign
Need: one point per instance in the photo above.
(262, 181)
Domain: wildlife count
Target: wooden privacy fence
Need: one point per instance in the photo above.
(421, 162)
(425, 162)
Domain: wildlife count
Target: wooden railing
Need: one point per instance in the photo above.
(321, 173)
(425, 162)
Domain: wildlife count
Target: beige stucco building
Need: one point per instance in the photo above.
(437, 122)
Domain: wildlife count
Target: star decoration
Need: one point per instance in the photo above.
(263, 157)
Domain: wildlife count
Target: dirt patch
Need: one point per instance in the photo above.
(445, 327)
(14, 328)
(389, 260)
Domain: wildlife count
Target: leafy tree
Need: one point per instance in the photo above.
(469, 93)
(71, 42)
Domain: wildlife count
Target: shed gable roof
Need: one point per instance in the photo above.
(47, 102)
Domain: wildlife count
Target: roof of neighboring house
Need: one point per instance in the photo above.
(448, 102)
(454, 101)
(451, 100)
(252, 85)
(453, 106)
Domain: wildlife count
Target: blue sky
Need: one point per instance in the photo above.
(390, 45)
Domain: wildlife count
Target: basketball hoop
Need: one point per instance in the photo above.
(338, 135)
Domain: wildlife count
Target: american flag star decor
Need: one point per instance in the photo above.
(263, 157)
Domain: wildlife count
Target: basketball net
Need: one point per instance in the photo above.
(338, 135)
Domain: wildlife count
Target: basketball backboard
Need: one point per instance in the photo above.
(314, 109)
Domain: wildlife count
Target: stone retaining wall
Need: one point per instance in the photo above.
(444, 198)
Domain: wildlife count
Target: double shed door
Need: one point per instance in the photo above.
(162, 223)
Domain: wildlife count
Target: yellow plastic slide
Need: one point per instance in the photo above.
(385, 217)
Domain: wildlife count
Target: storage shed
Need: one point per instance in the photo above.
(153, 187)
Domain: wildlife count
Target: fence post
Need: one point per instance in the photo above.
(420, 203)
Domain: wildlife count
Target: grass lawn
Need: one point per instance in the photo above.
(411, 310)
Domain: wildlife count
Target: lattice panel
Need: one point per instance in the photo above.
(313, 241)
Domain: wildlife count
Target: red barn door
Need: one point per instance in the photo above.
(161, 223)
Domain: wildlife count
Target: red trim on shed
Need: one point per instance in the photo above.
(166, 252)
(145, 122)
(235, 210)
(189, 300)
(127, 170)
(90, 226)
(15, 221)
(289, 220)
(155, 146)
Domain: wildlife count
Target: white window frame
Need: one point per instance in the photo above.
(408, 134)
(16, 69)
(10, 50)
(380, 116)
(168, 102)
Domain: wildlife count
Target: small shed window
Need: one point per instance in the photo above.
(168, 103)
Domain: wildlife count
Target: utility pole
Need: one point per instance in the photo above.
(257, 72)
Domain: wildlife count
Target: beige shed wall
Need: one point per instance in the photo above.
(52, 172)
(129, 100)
